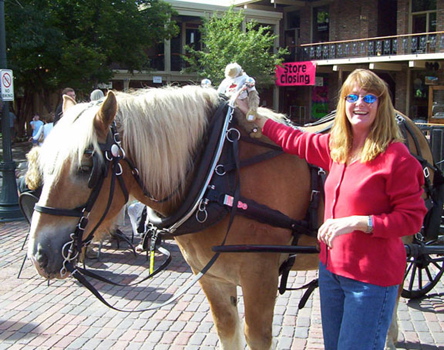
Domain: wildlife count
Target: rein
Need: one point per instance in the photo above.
(113, 153)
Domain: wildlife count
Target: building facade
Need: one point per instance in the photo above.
(401, 40)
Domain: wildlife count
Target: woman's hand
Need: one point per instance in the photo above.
(242, 104)
(333, 228)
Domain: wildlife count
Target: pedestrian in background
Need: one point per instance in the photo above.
(59, 111)
(96, 95)
(36, 124)
(45, 129)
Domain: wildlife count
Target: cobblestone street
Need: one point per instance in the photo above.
(64, 315)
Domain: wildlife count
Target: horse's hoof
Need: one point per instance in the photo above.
(390, 345)
(140, 249)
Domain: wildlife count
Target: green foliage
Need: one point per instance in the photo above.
(225, 41)
(57, 43)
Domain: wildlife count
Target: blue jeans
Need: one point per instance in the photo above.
(355, 315)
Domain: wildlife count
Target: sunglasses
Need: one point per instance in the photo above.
(352, 98)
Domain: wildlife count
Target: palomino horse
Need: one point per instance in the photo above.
(154, 151)
(162, 132)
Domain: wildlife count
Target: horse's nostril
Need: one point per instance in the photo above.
(41, 258)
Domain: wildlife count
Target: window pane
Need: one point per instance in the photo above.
(432, 22)
(423, 5)
(419, 23)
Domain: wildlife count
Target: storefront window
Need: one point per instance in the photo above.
(319, 103)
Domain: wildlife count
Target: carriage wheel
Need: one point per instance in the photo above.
(423, 272)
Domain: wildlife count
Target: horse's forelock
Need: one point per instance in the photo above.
(72, 135)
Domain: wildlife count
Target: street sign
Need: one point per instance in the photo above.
(7, 85)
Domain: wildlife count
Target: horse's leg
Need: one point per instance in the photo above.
(392, 336)
(222, 298)
(259, 289)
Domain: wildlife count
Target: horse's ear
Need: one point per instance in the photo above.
(68, 102)
(106, 114)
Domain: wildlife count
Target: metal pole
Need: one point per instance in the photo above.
(9, 208)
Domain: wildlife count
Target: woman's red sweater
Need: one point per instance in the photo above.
(389, 188)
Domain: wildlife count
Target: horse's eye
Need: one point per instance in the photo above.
(84, 169)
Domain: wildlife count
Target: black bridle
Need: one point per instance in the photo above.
(112, 153)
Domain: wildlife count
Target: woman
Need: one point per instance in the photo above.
(372, 198)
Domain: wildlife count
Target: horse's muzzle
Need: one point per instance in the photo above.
(47, 258)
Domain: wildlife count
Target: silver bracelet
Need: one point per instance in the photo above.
(369, 224)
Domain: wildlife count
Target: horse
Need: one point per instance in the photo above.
(151, 141)
(162, 132)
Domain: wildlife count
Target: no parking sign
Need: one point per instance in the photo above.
(7, 85)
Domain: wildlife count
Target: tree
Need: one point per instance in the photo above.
(224, 41)
(57, 43)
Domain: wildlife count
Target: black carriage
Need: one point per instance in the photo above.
(425, 254)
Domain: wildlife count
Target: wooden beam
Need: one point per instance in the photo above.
(417, 64)
(324, 69)
(253, 6)
(288, 2)
(396, 67)
(244, 2)
(348, 67)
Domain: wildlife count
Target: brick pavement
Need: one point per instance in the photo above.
(64, 315)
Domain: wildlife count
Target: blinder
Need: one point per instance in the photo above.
(98, 170)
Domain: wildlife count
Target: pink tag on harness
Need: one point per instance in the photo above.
(228, 200)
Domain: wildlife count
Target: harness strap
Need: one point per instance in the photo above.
(286, 266)
(260, 143)
(253, 160)
(318, 176)
(76, 212)
(161, 267)
(259, 212)
(77, 274)
(424, 163)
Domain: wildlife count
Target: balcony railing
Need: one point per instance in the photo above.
(408, 44)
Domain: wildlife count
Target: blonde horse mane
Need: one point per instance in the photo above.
(33, 177)
(160, 129)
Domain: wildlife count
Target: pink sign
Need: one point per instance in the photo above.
(296, 73)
